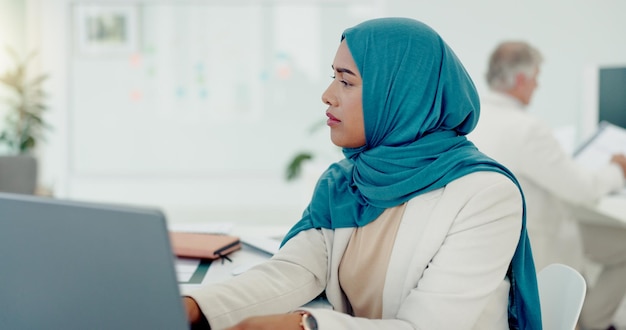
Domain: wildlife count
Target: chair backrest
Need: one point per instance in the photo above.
(562, 291)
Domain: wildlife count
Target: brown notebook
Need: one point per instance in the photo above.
(203, 245)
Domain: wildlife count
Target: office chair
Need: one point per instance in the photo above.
(562, 291)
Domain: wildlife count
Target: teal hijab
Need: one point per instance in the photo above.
(418, 105)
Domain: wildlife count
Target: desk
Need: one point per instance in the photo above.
(609, 210)
(194, 273)
(217, 271)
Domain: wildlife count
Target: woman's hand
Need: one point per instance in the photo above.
(289, 321)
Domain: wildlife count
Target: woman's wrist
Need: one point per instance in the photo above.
(195, 316)
(307, 320)
(192, 309)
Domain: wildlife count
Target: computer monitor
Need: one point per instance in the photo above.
(612, 95)
(604, 97)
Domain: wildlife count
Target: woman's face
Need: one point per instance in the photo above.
(345, 104)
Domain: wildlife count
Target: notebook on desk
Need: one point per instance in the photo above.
(75, 265)
(203, 245)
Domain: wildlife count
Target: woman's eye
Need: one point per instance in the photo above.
(343, 82)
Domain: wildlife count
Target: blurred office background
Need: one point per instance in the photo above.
(196, 107)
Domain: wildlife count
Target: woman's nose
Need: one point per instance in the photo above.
(327, 96)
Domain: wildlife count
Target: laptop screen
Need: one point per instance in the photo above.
(75, 265)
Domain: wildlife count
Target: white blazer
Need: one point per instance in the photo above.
(548, 176)
(447, 268)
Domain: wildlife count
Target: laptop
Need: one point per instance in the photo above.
(77, 265)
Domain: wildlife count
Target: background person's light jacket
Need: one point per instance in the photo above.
(549, 176)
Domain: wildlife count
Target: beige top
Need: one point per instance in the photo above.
(363, 268)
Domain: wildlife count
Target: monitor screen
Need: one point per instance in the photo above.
(612, 95)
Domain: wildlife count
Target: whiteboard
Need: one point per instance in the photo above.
(198, 89)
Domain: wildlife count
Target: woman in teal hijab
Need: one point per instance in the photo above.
(401, 115)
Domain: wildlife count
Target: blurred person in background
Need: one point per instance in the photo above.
(550, 179)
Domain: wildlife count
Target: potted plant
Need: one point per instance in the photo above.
(296, 164)
(312, 160)
(23, 126)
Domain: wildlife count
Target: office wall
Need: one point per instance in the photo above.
(12, 22)
(202, 111)
(12, 28)
(137, 126)
(572, 36)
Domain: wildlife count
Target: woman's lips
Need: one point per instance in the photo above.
(332, 120)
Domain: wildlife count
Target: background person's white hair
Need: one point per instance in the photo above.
(508, 60)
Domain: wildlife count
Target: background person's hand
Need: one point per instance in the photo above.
(289, 321)
(620, 159)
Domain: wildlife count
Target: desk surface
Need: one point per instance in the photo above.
(194, 273)
(217, 271)
(610, 211)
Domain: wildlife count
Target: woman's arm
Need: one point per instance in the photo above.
(294, 276)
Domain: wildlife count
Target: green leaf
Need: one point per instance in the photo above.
(317, 125)
(36, 119)
(38, 80)
(295, 166)
(27, 144)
